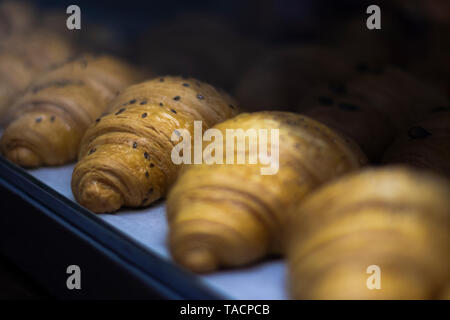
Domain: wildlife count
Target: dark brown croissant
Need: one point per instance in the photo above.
(425, 144)
(46, 124)
(373, 107)
(280, 79)
(125, 157)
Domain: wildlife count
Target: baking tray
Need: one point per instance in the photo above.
(121, 256)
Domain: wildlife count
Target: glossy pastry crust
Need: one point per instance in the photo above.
(393, 217)
(46, 124)
(125, 157)
(228, 215)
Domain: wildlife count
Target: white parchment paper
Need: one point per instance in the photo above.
(148, 226)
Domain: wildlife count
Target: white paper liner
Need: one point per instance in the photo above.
(148, 226)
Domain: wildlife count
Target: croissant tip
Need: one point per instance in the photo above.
(100, 197)
(199, 260)
(23, 156)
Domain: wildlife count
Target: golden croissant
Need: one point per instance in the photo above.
(25, 56)
(375, 234)
(46, 124)
(16, 17)
(125, 157)
(228, 215)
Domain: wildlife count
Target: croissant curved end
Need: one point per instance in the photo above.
(199, 259)
(24, 157)
(100, 198)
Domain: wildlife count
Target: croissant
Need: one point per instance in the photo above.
(383, 228)
(401, 97)
(230, 215)
(347, 113)
(24, 57)
(445, 293)
(125, 157)
(280, 79)
(15, 75)
(15, 17)
(373, 107)
(46, 124)
(425, 144)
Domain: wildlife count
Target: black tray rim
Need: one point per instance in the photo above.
(162, 276)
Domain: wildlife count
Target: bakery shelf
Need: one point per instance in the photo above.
(123, 255)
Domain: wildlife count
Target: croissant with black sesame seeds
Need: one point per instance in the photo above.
(125, 157)
(46, 124)
(380, 233)
(229, 215)
(425, 145)
(373, 107)
(345, 112)
(281, 78)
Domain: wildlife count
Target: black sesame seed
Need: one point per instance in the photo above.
(200, 97)
(186, 85)
(377, 70)
(152, 165)
(120, 111)
(176, 98)
(97, 120)
(440, 109)
(92, 151)
(231, 106)
(144, 115)
(147, 174)
(144, 102)
(161, 104)
(146, 155)
(337, 87)
(418, 133)
(173, 111)
(133, 101)
(151, 190)
(135, 144)
(326, 101)
(362, 68)
(125, 104)
(348, 106)
(52, 119)
(38, 119)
